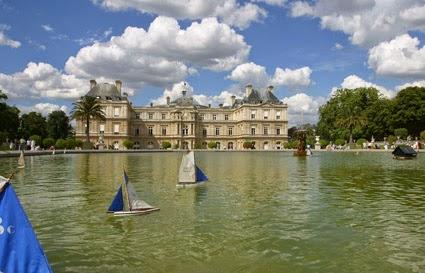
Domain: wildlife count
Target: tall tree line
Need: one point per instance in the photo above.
(364, 112)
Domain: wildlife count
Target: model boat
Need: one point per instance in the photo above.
(189, 173)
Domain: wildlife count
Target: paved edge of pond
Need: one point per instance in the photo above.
(60, 152)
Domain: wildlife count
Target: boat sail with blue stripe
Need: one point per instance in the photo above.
(126, 201)
(189, 173)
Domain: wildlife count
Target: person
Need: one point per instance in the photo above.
(11, 145)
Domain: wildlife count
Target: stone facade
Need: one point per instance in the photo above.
(259, 117)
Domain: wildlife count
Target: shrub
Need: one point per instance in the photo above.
(247, 145)
(212, 145)
(70, 143)
(60, 144)
(128, 144)
(401, 132)
(78, 143)
(87, 145)
(48, 142)
(323, 143)
(339, 142)
(166, 145)
(422, 135)
(360, 141)
(3, 137)
(36, 138)
(198, 145)
(176, 146)
(391, 139)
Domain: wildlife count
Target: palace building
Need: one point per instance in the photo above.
(259, 118)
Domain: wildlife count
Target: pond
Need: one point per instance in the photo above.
(260, 212)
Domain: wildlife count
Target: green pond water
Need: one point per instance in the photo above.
(260, 212)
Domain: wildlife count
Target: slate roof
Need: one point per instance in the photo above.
(105, 91)
(258, 97)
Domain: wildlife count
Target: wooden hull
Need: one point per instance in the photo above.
(190, 184)
(133, 212)
(21, 167)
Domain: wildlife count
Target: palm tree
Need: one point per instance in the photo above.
(88, 108)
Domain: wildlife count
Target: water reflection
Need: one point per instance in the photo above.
(259, 212)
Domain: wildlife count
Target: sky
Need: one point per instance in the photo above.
(50, 49)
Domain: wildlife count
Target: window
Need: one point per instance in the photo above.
(230, 131)
(277, 131)
(217, 131)
(116, 111)
(278, 115)
(137, 132)
(253, 112)
(253, 131)
(185, 130)
(204, 131)
(226, 117)
(150, 115)
(214, 117)
(116, 129)
(137, 116)
(164, 131)
(150, 130)
(163, 115)
(202, 116)
(266, 114)
(266, 130)
(102, 128)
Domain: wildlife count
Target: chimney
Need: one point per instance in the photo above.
(168, 100)
(270, 88)
(118, 84)
(92, 83)
(248, 90)
(209, 105)
(233, 97)
(151, 104)
(184, 92)
(220, 105)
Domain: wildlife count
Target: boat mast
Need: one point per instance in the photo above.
(126, 192)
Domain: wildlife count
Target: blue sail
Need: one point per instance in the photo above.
(117, 203)
(200, 176)
(20, 251)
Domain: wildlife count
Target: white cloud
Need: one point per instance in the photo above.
(229, 11)
(47, 28)
(367, 22)
(251, 73)
(411, 84)
(293, 78)
(303, 108)
(41, 80)
(279, 3)
(94, 38)
(400, 57)
(338, 46)
(163, 54)
(354, 81)
(43, 108)
(6, 41)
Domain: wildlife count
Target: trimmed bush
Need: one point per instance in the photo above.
(70, 143)
(360, 141)
(339, 142)
(87, 145)
(166, 145)
(78, 143)
(391, 139)
(212, 145)
(36, 138)
(60, 144)
(48, 142)
(247, 145)
(323, 143)
(401, 132)
(3, 137)
(128, 144)
(198, 145)
(422, 135)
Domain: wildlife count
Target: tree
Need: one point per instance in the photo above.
(60, 144)
(128, 144)
(401, 133)
(48, 142)
(85, 109)
(9, 118)
(58, 125)
(212, 145)
(33, 123)
(409, 110)
(166, 145)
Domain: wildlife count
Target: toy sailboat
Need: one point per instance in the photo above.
(126, 201)
(189, 173)
(21, 160)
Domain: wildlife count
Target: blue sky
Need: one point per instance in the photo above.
(50, 49)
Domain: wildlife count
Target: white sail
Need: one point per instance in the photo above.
(21, 160)
(134, 201)
(187, 172)
(3, 182)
